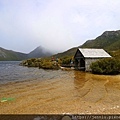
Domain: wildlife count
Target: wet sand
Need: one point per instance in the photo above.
(75, 92)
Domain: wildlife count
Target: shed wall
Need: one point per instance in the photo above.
(88, 62)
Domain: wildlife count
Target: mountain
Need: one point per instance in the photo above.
(109, 40)
(39, 52)
(69, 52)
(11, 55)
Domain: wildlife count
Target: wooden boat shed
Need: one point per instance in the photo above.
(84, 57)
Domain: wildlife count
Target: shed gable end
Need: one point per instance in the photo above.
(78, 54)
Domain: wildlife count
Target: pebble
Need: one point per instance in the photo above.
(114, 107)
(103, 108)
(118, 106)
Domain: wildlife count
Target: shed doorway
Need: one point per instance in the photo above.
(82, 64)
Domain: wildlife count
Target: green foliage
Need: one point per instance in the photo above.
(115, 54)
(66, 60)
(47, 63)
(44, 63)
(109, 40)
(8, 55)
(106, 66)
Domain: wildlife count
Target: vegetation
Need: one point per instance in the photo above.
(109, 40)
(47, 63)
(66, 61)
(44, 63)
(8, 55)
(106, 66)
(68, 53)
(115, 54)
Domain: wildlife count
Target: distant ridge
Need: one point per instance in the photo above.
(109, 40)
(69, 52)
(9, 55)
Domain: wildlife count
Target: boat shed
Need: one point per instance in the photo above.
(84, 57)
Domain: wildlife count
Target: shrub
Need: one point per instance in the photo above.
(66, 60)
(106, 66)
(44, 63)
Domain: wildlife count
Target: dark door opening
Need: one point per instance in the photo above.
(82, 64)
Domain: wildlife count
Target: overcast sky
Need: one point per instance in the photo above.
(55, 24)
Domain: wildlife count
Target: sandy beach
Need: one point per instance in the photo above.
(92, 95)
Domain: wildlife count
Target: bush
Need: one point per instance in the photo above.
(106, 66)
(44, 63)
(66, 60)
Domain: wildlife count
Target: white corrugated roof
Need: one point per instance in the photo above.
(93, 53)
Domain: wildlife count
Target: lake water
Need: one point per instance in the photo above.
(57, 91)
(11, 71)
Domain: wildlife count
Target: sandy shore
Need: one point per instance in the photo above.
(53, 96)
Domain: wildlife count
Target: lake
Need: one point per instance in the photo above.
(11, 71)
(38, 91)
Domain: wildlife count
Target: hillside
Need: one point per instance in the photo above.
(11, 55)
(109, 40)
(115, 54)
(69, 52)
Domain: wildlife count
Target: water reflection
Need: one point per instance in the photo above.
(97, 88)
(79, 79)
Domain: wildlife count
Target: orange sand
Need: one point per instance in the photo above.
(77, 93)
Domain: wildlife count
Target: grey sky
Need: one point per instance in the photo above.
(55, 24)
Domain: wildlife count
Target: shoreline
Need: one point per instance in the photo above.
(57, 96)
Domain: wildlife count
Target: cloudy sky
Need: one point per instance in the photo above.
(55, 24)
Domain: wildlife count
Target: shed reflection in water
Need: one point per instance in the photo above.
(97, 88)
(80, 78)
